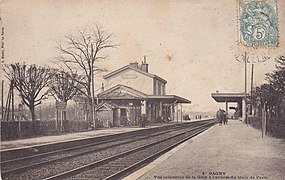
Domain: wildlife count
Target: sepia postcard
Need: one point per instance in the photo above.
(144, 89)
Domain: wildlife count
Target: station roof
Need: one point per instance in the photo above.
(122, 92)
(228, 97)
(135, 69)
(107, 104)
(173, 98)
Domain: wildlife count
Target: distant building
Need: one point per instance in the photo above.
(133, 92)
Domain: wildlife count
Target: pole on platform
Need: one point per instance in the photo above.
(263, 119)
(251, 87)
(61, 121)
(93, 93)
(177, 111)
(262, 123)
(181, 113)
(245, 96)
(56, 121)
(2, 100)
(8, 102)
(226, 106)
(19, 129)
(12, 96)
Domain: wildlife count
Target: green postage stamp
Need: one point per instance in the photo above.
(258, 23)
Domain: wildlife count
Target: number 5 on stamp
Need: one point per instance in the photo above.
(258, 23)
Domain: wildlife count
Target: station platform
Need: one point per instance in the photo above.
(30, 142)
(232, 151)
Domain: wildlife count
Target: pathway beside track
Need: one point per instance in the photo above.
(233, 151)
(141, 143)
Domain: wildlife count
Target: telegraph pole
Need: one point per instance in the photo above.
(251, 87)
(245, 59)
(92, 89)
(245, 97)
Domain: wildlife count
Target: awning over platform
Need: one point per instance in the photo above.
(106, 105)
(172, 98)
(228, 97)
(122, 92)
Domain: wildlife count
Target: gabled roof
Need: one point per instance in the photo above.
(121, 92)
(107, 104)
(135, 69)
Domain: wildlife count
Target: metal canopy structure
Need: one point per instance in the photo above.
(238, 98)
(168, 98)
(122, 92)
(228, 97)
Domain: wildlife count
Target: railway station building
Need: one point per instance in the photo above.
(134, 92)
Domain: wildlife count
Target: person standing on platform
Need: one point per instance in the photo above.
(140, 121)
(224, 117)
(219, 116)
(143, 120)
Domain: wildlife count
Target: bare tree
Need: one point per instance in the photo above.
(30, 81)
(63, 87)
(80, 52)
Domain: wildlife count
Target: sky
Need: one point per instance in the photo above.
(190, 43)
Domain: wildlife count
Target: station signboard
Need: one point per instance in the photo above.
(82, 105)
(61, 105)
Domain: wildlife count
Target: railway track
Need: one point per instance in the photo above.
(21, 164)
(71, 161)
(23, 153)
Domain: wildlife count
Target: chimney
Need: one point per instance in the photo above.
(134, 64)
(144, 66)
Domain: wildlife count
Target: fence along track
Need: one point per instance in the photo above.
(42, 162)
